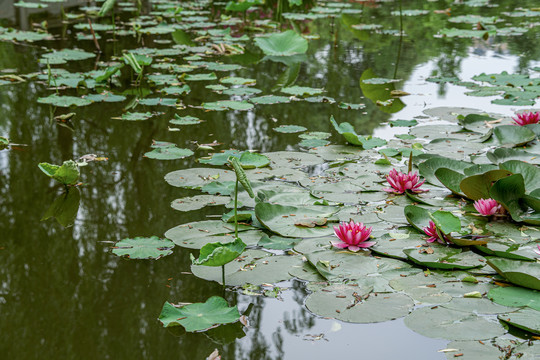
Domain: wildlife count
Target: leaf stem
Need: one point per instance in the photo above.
(236, 208)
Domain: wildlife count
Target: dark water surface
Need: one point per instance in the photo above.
(64, 295)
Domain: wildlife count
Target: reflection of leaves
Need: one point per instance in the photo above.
(380, 94)
(226, 334)
(64, 208)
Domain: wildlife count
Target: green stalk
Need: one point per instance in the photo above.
(223, 276)
(235, 210)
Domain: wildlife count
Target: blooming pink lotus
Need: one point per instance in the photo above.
(487, 207)
(401, 182)
(352, 236)
(431, 231)
(526, 118)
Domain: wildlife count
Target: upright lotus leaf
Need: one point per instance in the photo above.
(525, 319)
(451, 179)
(522, 273)
(67, 174)
(446, 221)
(418, 217)
(513, 135)
(530, 173)
(439, 322)
(508, 191)
(143, 248)
(478, 186)
(107, 6)
(199, 316)
(219, 254)
(515, 296)
(282, 44)
(445, 258)
(65, 207)
(428, 168)
(241, 175)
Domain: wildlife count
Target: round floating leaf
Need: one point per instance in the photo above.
(183, 234)
(250, 160)
(443, 323)
(290, 129)
(515, 296)
(198, 202)
(522, 273)
(277, 242)
(352, 304)
(526, 319)
(198, 177)
(219, 254)
(199, 316)
(292, 221)
(232, 80)
(476, 350)
(227, 105)
(301, 91)
(185, 120)
(513, 135)
(444, 258)
(477, 306)
(282, 44)
(64, 101)
(168, 153)
(143, 248)
(135, 116)
(393, 244)
(313, 143)
(200, 77)
(270, 99)
(253, 266)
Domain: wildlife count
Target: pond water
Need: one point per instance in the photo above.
(64, 294)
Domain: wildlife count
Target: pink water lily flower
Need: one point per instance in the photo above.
(487, 207)
(352, 236)
(537, 251)
(400, 182)
(431, 231)
(526, 118)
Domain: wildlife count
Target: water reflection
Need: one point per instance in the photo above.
(64, 295)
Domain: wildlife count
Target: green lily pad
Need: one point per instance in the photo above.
(445, 258)
(185, 120)
(293, 221)
(301, 91)
(347, 303)
(513, 135)
(270, 99)
(200, 77)
(522, 273)
(439, 322)
(143, 248)
(515, 296)
(223, 105)
(167, 152)
(290, 129)
(186, 233)
(525, 319)
(199, 316)
(478, 186)
(198, 202)
(282, 44)
(277, 242)
(135, 116)
(64, 101)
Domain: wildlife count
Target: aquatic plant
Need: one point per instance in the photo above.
(537, 251)
(68, 173)
(434, 235)
(526, 118)
(401, 182)
(352, 236)
(487, 207)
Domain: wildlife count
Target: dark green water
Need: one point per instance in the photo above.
(64, 295)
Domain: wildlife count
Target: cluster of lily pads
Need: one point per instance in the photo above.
(469, 269)
(485, 267)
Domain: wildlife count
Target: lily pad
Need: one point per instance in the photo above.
(282, 44)
(445, 258)
(522, 273)
(199, 316)
(143, 248)
(290, 129)
(515, 296)
(526, 319)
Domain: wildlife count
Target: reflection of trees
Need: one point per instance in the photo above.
(62, 294)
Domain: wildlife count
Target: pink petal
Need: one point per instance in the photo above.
(339, 244)
(366, 244)
(354, 248)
